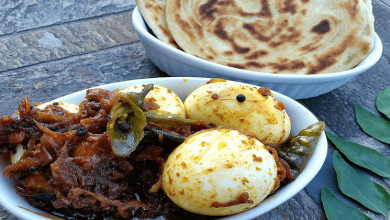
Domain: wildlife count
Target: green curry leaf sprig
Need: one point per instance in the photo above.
(353, 184)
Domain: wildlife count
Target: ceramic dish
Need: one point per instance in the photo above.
(175, 62)
(300, 119)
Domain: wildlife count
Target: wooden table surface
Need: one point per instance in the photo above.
(51, 48)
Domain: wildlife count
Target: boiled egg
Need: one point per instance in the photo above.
(168, 101)
(72, 108)
(242, 107)
(219, 172)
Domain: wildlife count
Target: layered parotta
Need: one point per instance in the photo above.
(153, 11)
(278, 36)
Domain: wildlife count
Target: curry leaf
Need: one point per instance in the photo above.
(383, 102)
(336, 209)
(377, 127)
(357, 186)
(362, 155)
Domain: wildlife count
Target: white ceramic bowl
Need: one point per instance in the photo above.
(175, 62)
(300, 119)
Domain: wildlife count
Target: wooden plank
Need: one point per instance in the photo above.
(20, 15)
(65, 41)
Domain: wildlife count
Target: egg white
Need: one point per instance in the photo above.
(218, 165)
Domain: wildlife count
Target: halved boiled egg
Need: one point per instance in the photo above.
(219, 172)
(242, 107)
(168, 101)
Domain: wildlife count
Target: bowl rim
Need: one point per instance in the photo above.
(140, 26)
(282, 195)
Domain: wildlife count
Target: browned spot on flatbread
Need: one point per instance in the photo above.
(322, 28)
(200, 35)
(275, 44)
(290, 66)
(264, 12)
(330, 57)
(324, 63)
(366, 47)
(255, 64)
(253, 30)
(178, 4)
(197, 27)
(309, 47)
(283, 37)
(223, 35)
(303, 12)
(351, 8)
(154, 8)
(246, 65)
(220, 32)
(239, 49)
(256, 54)
(265, 9)
(238, 66)
(291, 37)
(163, 29)
(314, 44)
(214, 8)
(184, 25)
(283, 24)
(354, 8)
(305, 1)
(172, 41)
(207, 10)
(210, 57)
(211, 49)
(289, 7)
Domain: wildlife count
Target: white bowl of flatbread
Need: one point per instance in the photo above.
(296, 49)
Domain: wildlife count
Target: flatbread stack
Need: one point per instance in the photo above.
(273, 36)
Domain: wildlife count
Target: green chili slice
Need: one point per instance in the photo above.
(301, 147)
(127, 123)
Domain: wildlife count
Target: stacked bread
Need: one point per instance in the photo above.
(273, 36)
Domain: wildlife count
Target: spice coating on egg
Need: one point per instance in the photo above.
(242, 107)
(219, 172)
(168, 101)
